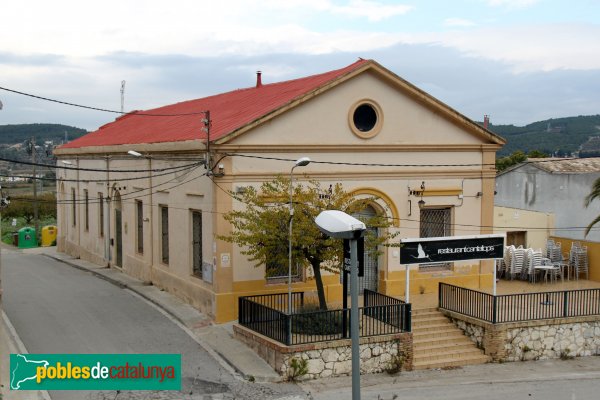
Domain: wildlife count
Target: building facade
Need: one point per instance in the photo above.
(556, 186)
(155, 213)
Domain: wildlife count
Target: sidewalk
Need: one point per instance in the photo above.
(217, 340)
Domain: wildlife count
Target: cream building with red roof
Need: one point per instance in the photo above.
(156, 216)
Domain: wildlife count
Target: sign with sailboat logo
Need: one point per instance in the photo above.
(451, 248)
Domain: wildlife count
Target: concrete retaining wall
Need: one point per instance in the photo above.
(332, 358)
(533, 340)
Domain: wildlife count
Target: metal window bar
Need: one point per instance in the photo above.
(435, 222)
(197, 243)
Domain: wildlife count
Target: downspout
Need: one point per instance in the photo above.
(107, 215)
(78, 213)
(151, 220)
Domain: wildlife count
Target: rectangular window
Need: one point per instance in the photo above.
(436, 222)
(164, 233)
(74, 209)
(139, 209)
(87, 209)
(100, 214)
(197, 243)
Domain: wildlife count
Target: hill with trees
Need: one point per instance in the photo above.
(556, 136)
(13, 134)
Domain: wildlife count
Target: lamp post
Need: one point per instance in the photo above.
(301, 162)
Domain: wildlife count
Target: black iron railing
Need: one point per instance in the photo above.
(266, 314)
(519, 307)
(387, 309)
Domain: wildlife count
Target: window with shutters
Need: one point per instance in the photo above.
(164, 234)
(100, 214)
(197, 243)
(74, 208)
(436, 222)
(139, 221)
(87, 209)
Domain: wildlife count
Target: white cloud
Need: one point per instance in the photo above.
(512, 3)
(374, 11)
(458, 22)
(530, 48)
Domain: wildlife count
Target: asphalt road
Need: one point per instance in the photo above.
(58, 309)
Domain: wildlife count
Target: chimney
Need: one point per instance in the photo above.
(486, 121)
(258, 79)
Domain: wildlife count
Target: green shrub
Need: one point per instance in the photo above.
(298, 368)
(313, 321)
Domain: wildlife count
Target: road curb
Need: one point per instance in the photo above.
(225, 362)
(14, 344)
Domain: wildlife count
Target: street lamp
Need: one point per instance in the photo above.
(301, 162)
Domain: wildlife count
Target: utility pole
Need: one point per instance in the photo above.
(35, 200)
(4, 202)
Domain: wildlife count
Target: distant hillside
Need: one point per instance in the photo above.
(559, 136)
(12, 134)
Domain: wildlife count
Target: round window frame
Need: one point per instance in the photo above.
(378, 124)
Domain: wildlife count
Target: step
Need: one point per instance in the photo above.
(456, 355)
(422, 311)
(448, 346)
(431, 325)
(436, 334)
(447, 340)
(418, 322)
(450, 362)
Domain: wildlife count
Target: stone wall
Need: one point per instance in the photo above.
(332, 358)
(533, 340)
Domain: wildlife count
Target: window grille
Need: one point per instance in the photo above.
(197, 243)
(139, 226)
(100, 214)
(164, 233)
(87, 210)
(436, 222)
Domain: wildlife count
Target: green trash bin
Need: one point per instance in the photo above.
(27, 238)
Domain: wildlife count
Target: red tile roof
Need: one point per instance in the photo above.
(228, 111)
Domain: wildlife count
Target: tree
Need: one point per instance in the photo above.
(262, 227)
(595, 193)
(22, 206)
(516, 158)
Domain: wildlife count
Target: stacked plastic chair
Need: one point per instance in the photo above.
(578, 260)
(516, 262)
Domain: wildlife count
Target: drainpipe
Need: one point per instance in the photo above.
(151, 220)
(107, 215)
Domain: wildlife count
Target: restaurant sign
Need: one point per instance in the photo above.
(451, 248)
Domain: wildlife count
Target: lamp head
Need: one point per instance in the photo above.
(301, 162)
(134, 153)
(340, 225)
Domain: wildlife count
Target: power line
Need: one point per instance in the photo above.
(65, 167)
(136, 113)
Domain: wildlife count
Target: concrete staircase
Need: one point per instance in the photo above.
(438, 343)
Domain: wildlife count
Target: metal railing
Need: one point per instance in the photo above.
(265, 314)
(388, 309)
(519, 307)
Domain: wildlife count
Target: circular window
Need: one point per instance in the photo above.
(365, 119)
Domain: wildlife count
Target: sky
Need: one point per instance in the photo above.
(519, 61)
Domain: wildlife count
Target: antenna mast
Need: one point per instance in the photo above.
(122, 97)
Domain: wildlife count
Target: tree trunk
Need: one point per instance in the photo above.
(316, 265)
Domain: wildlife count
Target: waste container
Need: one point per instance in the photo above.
(48, 235)
(27, 238)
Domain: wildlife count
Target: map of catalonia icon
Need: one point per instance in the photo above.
(23, 371)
